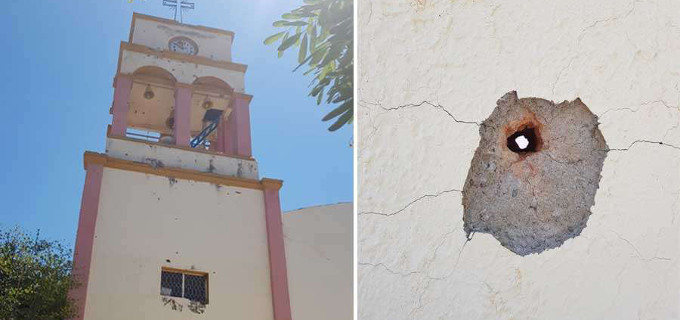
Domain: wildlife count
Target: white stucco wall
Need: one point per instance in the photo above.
(145, 219)
(319, 258)
(427, 65)
(171, 157)
(155, 34)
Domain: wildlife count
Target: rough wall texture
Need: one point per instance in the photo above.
(535, 195)
(430, 72)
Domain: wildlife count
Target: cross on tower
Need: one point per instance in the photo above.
(178, 5)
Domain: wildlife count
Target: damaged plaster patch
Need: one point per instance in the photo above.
(194, 306)
(535, 173)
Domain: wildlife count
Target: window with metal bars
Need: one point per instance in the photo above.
(187, 284)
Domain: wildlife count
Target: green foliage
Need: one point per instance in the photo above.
(35, 276)
(323, 32)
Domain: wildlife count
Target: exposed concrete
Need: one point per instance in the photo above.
(534, 200)
(429, 72)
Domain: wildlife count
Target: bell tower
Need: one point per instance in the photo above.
(175, 222)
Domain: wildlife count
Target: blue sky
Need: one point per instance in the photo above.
(59, 59)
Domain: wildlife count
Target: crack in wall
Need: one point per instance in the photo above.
(639, 107)
(425, 269)
(637, 252)
(436, 106)
(409, 204)
(582, 35)
(642, 141)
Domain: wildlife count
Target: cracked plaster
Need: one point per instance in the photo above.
(418, 126)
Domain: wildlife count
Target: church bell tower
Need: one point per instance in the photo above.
(175, 222)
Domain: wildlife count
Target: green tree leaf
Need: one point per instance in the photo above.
(271, 39)
(35, 277)
(326, 46)
(289, 42)
(344, 119)
(280, 23)
(303, 50)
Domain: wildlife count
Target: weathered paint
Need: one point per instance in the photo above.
(184, 72)
(320, 261)
(239, 124)
(277, 252)
(155, 33)
(223, 142)
(172, 157)
(147, 222)
(418, 130)
(82, 255)
(182, 128)
(121, 104)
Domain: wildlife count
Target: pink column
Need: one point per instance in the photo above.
(277, 251)
(82, 255)
(239, 123)
(182, 114)
(121, 103)
(224, 142)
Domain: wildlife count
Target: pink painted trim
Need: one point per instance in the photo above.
(241, 124)
(277, 255)
(182, 116)
(82, 255)
(121, 104)
(224, 141)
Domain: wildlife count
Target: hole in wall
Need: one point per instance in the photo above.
(524, 140)
(531, 183)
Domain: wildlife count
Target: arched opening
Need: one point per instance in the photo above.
(210, 104)
(212, 85)
(152, 99)
(154, 75)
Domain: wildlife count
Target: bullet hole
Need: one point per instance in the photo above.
(167, 260)
(155, 163)
(535, 173)
(239, 170)
(525, 140)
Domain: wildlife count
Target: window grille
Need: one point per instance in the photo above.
(185, 284)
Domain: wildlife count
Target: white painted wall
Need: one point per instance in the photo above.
(320, 261)
(155, 34)
(424, 62)
(145, 219)
(184, 72)
(172, 157)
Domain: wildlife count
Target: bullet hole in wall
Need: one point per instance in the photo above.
(535, 173)
(524, 140)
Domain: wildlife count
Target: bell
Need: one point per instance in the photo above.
(148, 93)
(207, 104)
